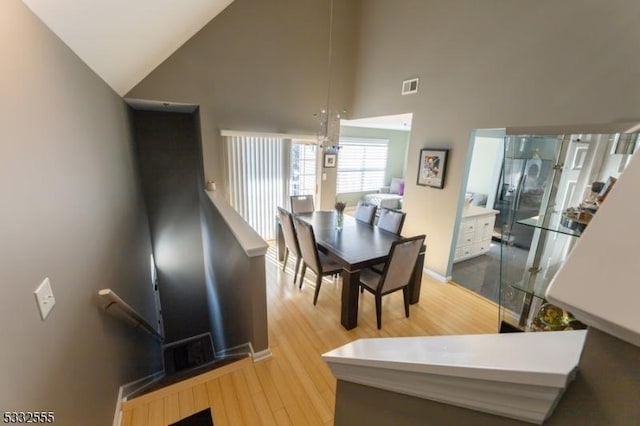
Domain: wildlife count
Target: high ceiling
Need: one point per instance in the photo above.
(124, 40)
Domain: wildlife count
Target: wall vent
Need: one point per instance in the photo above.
(410, 86)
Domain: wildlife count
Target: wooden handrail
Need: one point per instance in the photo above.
(117, 307)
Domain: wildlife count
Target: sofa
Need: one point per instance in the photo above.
(389, 197)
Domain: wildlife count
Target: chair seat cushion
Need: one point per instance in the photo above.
(370, 279)
(378, 268)
(329, 266)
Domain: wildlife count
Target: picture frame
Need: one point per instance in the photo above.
(432, 167)
(330, 160)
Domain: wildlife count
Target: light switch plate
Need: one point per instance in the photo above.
(44, 298)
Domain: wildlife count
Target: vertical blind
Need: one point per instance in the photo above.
(255, 179)
(361, 164)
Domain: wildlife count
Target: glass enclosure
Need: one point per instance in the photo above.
(550, 188)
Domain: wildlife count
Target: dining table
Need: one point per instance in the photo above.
(355, 246)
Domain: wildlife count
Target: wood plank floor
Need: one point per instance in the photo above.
(295, 387)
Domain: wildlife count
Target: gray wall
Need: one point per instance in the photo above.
(236, 285)
(396, 156)
(170, 159)
(260, 65)
(72, 211)
(604, 393)
(489, 64)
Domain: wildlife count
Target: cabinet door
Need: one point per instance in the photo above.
(484, 228)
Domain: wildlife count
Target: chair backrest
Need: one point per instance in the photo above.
(399, 267)
(301, 204)
(289, 232)
(365, 212)
(308, 248)
(391, 220)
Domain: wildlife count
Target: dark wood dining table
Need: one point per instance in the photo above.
(356, 246)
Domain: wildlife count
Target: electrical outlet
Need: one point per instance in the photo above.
(44, 298)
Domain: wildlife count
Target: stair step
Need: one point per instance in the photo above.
(175, 382)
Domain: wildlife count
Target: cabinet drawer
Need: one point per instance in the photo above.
(467, 226)
(466, 238)
(481, 247)
(463, 252)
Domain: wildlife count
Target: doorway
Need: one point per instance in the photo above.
(475, 256)
(543, 178)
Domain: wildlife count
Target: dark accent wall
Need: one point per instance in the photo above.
(605, 392)
(72, 210)
(170, 160)
(236, 285)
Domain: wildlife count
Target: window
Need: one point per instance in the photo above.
(303, 169)
(263, 169)
(361, 164)
(254, 176)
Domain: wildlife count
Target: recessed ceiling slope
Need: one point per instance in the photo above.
(122, 40)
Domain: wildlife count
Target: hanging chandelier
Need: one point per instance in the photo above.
(329, 121)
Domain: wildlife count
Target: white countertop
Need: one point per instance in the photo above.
(251, 242)
(474, 211)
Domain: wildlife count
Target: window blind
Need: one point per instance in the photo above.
(362, 164)
(255, 179)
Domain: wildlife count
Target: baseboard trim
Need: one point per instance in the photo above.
(246, 348)
(436, 276)
(261, 355)
(117, 416)
(128, 388)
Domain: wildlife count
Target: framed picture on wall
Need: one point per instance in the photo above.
(432, 167)
(330, 160)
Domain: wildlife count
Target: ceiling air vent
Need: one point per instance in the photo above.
(410, 86)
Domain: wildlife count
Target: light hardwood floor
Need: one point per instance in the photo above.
(295, 387)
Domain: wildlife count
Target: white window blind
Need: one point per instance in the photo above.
(303, 169)
(361, 164)
(255, 179)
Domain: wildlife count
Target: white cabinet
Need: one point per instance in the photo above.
(474, 235)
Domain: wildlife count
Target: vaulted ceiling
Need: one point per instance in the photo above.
(124, 40)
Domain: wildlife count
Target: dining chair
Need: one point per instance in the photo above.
(290, 240)
(301, 204)
(396, 274)
(391, 220)
(318, 262)
(365, 212)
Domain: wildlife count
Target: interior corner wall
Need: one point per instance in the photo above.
(490, 64)
(72, 211)
(260, 66)
(170, 162)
